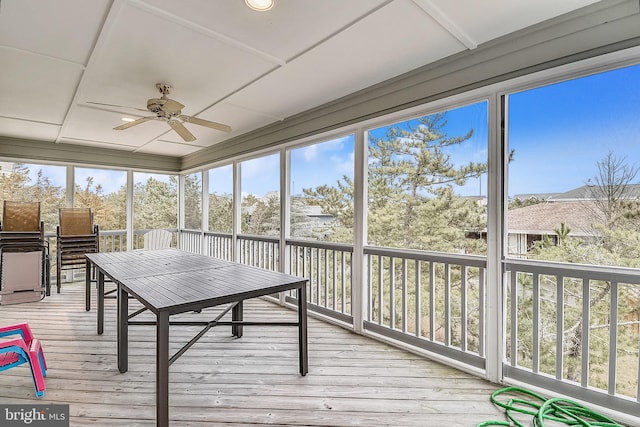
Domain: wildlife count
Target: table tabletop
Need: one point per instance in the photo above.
(178, 281)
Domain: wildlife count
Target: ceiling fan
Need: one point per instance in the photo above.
(170, 111)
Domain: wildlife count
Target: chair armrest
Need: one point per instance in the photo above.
(18, 342)
(21, 329)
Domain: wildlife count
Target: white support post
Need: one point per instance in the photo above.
(204, 226)
(285, 213)
(129, 198)
(69, 201)
(71, 187)
(237, 211)
(359, 284)
(181, 216)
(495, 327)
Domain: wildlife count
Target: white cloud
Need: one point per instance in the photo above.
(310, 153)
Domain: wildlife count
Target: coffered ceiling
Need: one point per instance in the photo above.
(61, 61)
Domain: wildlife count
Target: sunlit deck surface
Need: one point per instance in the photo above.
(254, 380)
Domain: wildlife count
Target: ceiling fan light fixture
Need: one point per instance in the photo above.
(260, 5)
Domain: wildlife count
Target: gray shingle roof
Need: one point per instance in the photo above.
(543, 218)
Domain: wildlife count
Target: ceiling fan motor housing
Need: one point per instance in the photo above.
(164, 88)
(155, 105)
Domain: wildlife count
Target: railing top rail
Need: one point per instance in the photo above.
(189, 230)
(443, 257)
(271, 239)
(218, 234)
(578, 271)
(341, 247)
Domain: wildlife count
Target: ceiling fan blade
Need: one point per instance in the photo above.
(133, 123)
(115, 105)
(172, 106)
(181, 130)
(207, 123)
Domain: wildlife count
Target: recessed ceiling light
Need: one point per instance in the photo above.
(260, 5)
(127, 119)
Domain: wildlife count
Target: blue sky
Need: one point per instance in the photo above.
(559, 133)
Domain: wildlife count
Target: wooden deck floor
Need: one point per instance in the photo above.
(254, 380)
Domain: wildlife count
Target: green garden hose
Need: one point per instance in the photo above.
(556, 410)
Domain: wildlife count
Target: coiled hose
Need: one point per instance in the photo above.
(555, 410)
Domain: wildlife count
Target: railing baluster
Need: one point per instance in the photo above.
(392, 293)
(481, 312)
(535, 358)
(380, 294)
(514, 318)
(317, 274)
(586, 321)
(559, 326)
(370, 290)
(405, 296)
(343, 281)
(463, 308)
(418, 293)
(326, 278)
(335, 281)
(447, 304)
(432, 301)
(613, 338)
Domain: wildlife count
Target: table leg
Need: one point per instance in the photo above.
(87, 280)
(302, 329)
(100, 299)
(236, 315)
(123, 329)
(162, 369)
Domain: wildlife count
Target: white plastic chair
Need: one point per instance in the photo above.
(157, 239)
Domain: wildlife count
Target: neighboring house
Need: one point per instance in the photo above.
(575, 208)
(315, 222)
(529, 224)
(7, 167)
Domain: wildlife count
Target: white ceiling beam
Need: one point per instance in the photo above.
(42, 55)
(107, 26)
(446, 23)
(255, 111)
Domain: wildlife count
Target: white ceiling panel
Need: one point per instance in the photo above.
(144, 48)
(501, 17)
(99, 144)
(81, 126)
(290, 28)
(169, 148)
(64, 29)
(29, 130)
(36, 87)
(224, 112)
(395, 39)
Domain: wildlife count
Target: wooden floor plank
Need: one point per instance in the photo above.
(353, 380)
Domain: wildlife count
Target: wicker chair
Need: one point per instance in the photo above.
(76, 236)
(24, 254)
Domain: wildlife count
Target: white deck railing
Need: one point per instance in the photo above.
(568, 330)
(436, 302)
(328, 267)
